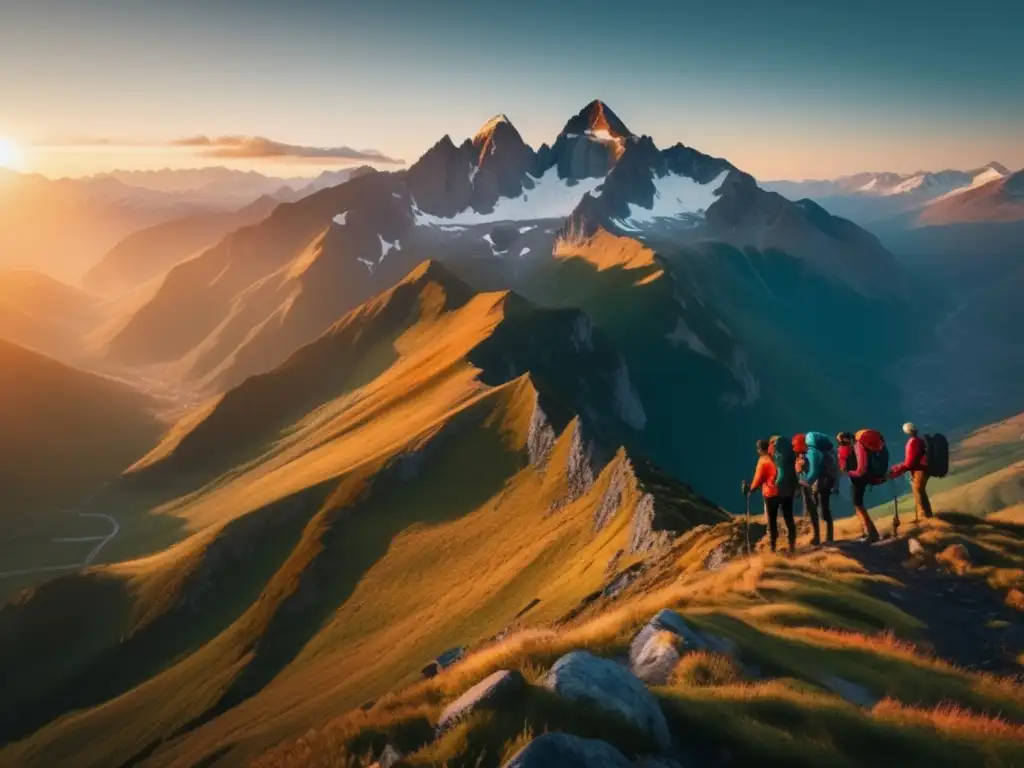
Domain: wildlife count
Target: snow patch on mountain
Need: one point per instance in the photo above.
(341, 218)
(987, 176)
(524, 252)
(550, 198)
(385, 247)
(746, 379)
(627, 400)
(676, 195)
(683, 334)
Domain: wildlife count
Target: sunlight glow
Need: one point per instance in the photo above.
(10, 154)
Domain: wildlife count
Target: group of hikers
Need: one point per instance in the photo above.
(812, 464)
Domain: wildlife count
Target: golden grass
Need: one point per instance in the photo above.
(949, 718)
(931, 712)
(706, 668)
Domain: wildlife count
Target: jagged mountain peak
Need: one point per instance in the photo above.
(597, 120)
(488, 128)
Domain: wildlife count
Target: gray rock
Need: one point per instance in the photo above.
(915, 547)
(388, 757)
(450, 656)
(851, 692)
(561, 750)
(489, 693)
(581, 676)
(718, 644)
(657, 658)
(665, 621)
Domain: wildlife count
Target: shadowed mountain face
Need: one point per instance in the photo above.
(64, 432)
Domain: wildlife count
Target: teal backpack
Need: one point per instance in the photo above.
(781, 450)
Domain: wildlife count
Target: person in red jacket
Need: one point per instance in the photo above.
(915, 461)
(764, 479)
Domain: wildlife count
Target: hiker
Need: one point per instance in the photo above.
(777, 492)
(863, 467)
(915, 461)
(816, 468)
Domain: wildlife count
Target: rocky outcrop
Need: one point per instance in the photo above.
(563, 750)
(491, 692)
(579, 469)
(656, 658)
(666, 621)
(581, 676)
(540, 438)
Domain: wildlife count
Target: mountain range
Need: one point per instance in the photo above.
(914, 199)
(500, 396)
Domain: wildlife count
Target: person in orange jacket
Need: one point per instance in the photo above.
(774, 501)
(915, 461)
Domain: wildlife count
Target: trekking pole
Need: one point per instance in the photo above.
(896, 514)
(747, 496)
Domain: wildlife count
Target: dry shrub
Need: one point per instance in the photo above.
(956, 558)
(1015, 599)
(703, 668)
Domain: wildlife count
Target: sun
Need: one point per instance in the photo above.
(10, 154)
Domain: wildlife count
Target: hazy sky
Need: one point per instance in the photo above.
(790, 88)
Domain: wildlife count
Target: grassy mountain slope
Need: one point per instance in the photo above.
(423, 452)
(796, 631)
(52, 419)
(43, 314)
(63, 434)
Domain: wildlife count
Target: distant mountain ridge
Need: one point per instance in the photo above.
(875, 197)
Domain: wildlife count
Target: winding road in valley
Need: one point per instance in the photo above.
(101, 542)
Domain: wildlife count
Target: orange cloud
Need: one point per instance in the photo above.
(259, 147)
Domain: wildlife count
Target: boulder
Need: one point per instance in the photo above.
(722, 645)
(442, 662)
(655, 661)
(665, 621)
(851, 692)
(562, 750)
(581, 676)
(489, 693)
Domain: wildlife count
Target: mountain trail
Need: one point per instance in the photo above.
(968, 624)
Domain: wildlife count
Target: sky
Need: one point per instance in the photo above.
(786, 89)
